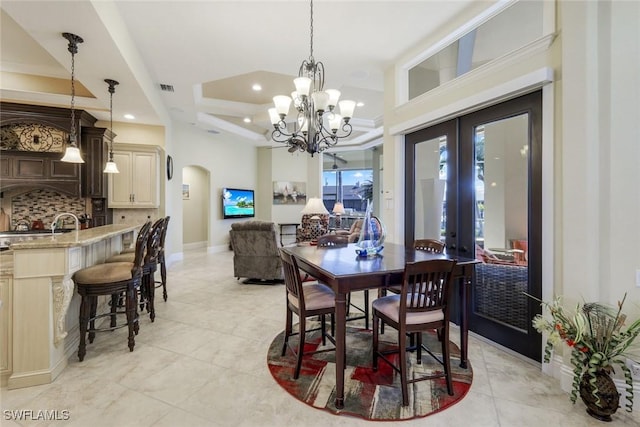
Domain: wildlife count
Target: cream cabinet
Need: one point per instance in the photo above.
(136, 186)
(6, 325)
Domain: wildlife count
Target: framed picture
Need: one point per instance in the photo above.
(289, 193)
(185, 191)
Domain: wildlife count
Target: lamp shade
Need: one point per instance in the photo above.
(274, 116)
(334, 96)
(346, 108)
(72, 155)
(111, 167)
(338, 208)
(282, 103)
(314, 206)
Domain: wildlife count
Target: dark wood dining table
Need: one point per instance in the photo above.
(345, 272)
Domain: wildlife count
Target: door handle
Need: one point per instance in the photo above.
(464, 249)
(453, 246)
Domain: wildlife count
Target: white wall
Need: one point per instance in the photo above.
(231, 163)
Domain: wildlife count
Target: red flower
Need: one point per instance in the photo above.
(571, 343)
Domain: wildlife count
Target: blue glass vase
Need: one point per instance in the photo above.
(372, 235)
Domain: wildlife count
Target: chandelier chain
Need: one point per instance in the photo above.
(72, 135)
(311, 26)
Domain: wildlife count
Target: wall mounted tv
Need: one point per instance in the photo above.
(237, 203)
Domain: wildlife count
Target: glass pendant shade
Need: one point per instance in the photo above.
(273, 116)
(282, 103)
(303, 85)
(346, 108)
(334, 122)
(334, 96)
(111, 167)
(320, 100)
(72, 155)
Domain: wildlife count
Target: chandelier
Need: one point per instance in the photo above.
(317, 126)
(72, 153)
(111, 166)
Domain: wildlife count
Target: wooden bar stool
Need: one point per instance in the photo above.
(149, 266)
(114, 279)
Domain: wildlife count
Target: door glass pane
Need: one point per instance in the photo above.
(430, 188)
(501, 219)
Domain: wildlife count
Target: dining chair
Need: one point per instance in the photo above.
(429, 245)
(305, 300)
(422, 305)
(333, 240)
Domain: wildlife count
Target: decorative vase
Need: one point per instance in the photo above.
(607, 392)
(372, 234)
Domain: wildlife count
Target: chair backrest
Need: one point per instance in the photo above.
(427, 286)
(163, 235)
(429, 245)
(141, 247)
(333, 240)
(292, 279)
(254, 238)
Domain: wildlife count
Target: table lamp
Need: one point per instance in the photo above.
(315, 208)
(338, 210)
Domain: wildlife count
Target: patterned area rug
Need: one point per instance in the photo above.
(368, 394)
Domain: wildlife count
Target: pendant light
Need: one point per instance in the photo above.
(111, 166)
(72, 153)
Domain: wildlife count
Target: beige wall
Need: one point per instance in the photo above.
(195, 208)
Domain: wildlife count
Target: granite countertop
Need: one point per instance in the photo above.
(75, 238)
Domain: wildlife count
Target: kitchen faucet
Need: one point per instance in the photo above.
(55, 221)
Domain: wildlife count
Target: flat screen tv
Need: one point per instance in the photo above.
(237, 203)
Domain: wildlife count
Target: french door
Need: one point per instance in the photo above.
(475, 183)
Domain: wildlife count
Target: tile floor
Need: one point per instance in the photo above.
(203, 363)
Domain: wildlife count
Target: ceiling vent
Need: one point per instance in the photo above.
(166, 88)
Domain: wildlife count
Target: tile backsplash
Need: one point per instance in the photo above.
(44, 205)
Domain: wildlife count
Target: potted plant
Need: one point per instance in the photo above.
(598, 338)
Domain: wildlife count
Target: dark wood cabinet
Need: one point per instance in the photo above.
(94, 145)
(44, 170)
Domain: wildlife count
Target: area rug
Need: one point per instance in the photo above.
(369, 395)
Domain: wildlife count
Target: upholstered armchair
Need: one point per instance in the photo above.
(256, 255)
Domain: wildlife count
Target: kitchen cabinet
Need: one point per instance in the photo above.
(94, 145)
(6, 325)
(136, 186)
(36, 169)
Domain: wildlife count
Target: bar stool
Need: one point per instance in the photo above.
(113, 279)
(149, 266)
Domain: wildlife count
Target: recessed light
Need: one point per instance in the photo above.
(256, 87)
(360, 104)
(247, 120)
(129, 116)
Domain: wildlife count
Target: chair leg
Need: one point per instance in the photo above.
(92, 318)
(163, 274)
(366, 309)
(374, 362)
(114, 309)
(151, 287)
(323, 329)
(131, 316)
(418, 340)
(287, 330)
(402, 348)
(303, 327)
(446, 360)
(84, 321)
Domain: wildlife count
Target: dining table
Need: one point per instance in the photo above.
(344, 271)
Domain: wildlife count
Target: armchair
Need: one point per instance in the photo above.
(255, 252)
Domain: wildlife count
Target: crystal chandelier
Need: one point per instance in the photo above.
(317, 126)
(72, 153)
(111, 166)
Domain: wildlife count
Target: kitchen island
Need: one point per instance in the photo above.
(40, 307)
